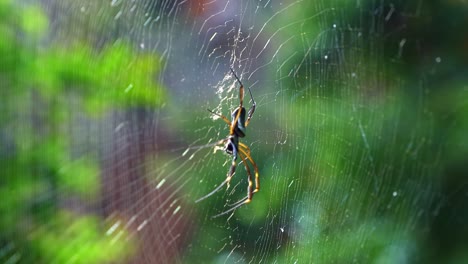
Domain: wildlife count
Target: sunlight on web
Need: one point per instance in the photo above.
(341, 173)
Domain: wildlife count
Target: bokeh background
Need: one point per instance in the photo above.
(360, 132)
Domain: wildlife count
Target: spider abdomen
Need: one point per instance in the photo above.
(239, 128)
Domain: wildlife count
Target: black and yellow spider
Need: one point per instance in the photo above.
(232, 146)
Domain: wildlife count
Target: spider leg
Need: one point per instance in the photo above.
(250, 113)
(213, 192)
(241, 88)
(229, 176)
(241, 96)
(244, 149)
(237, 205)
(249, 178)
(250, 193)
(233, 125)
(221, 116)
(213, 144)
(231, 172)
(235, 75)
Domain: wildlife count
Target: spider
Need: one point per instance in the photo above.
(232, 146)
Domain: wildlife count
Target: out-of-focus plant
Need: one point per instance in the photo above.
(43, 88)
(375, 138)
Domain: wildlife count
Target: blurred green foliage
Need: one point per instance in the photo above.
(43, 87)
(367, 141)
(376, 140)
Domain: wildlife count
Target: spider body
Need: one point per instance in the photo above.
(232, 145)
(239, 127)
(240, 119)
